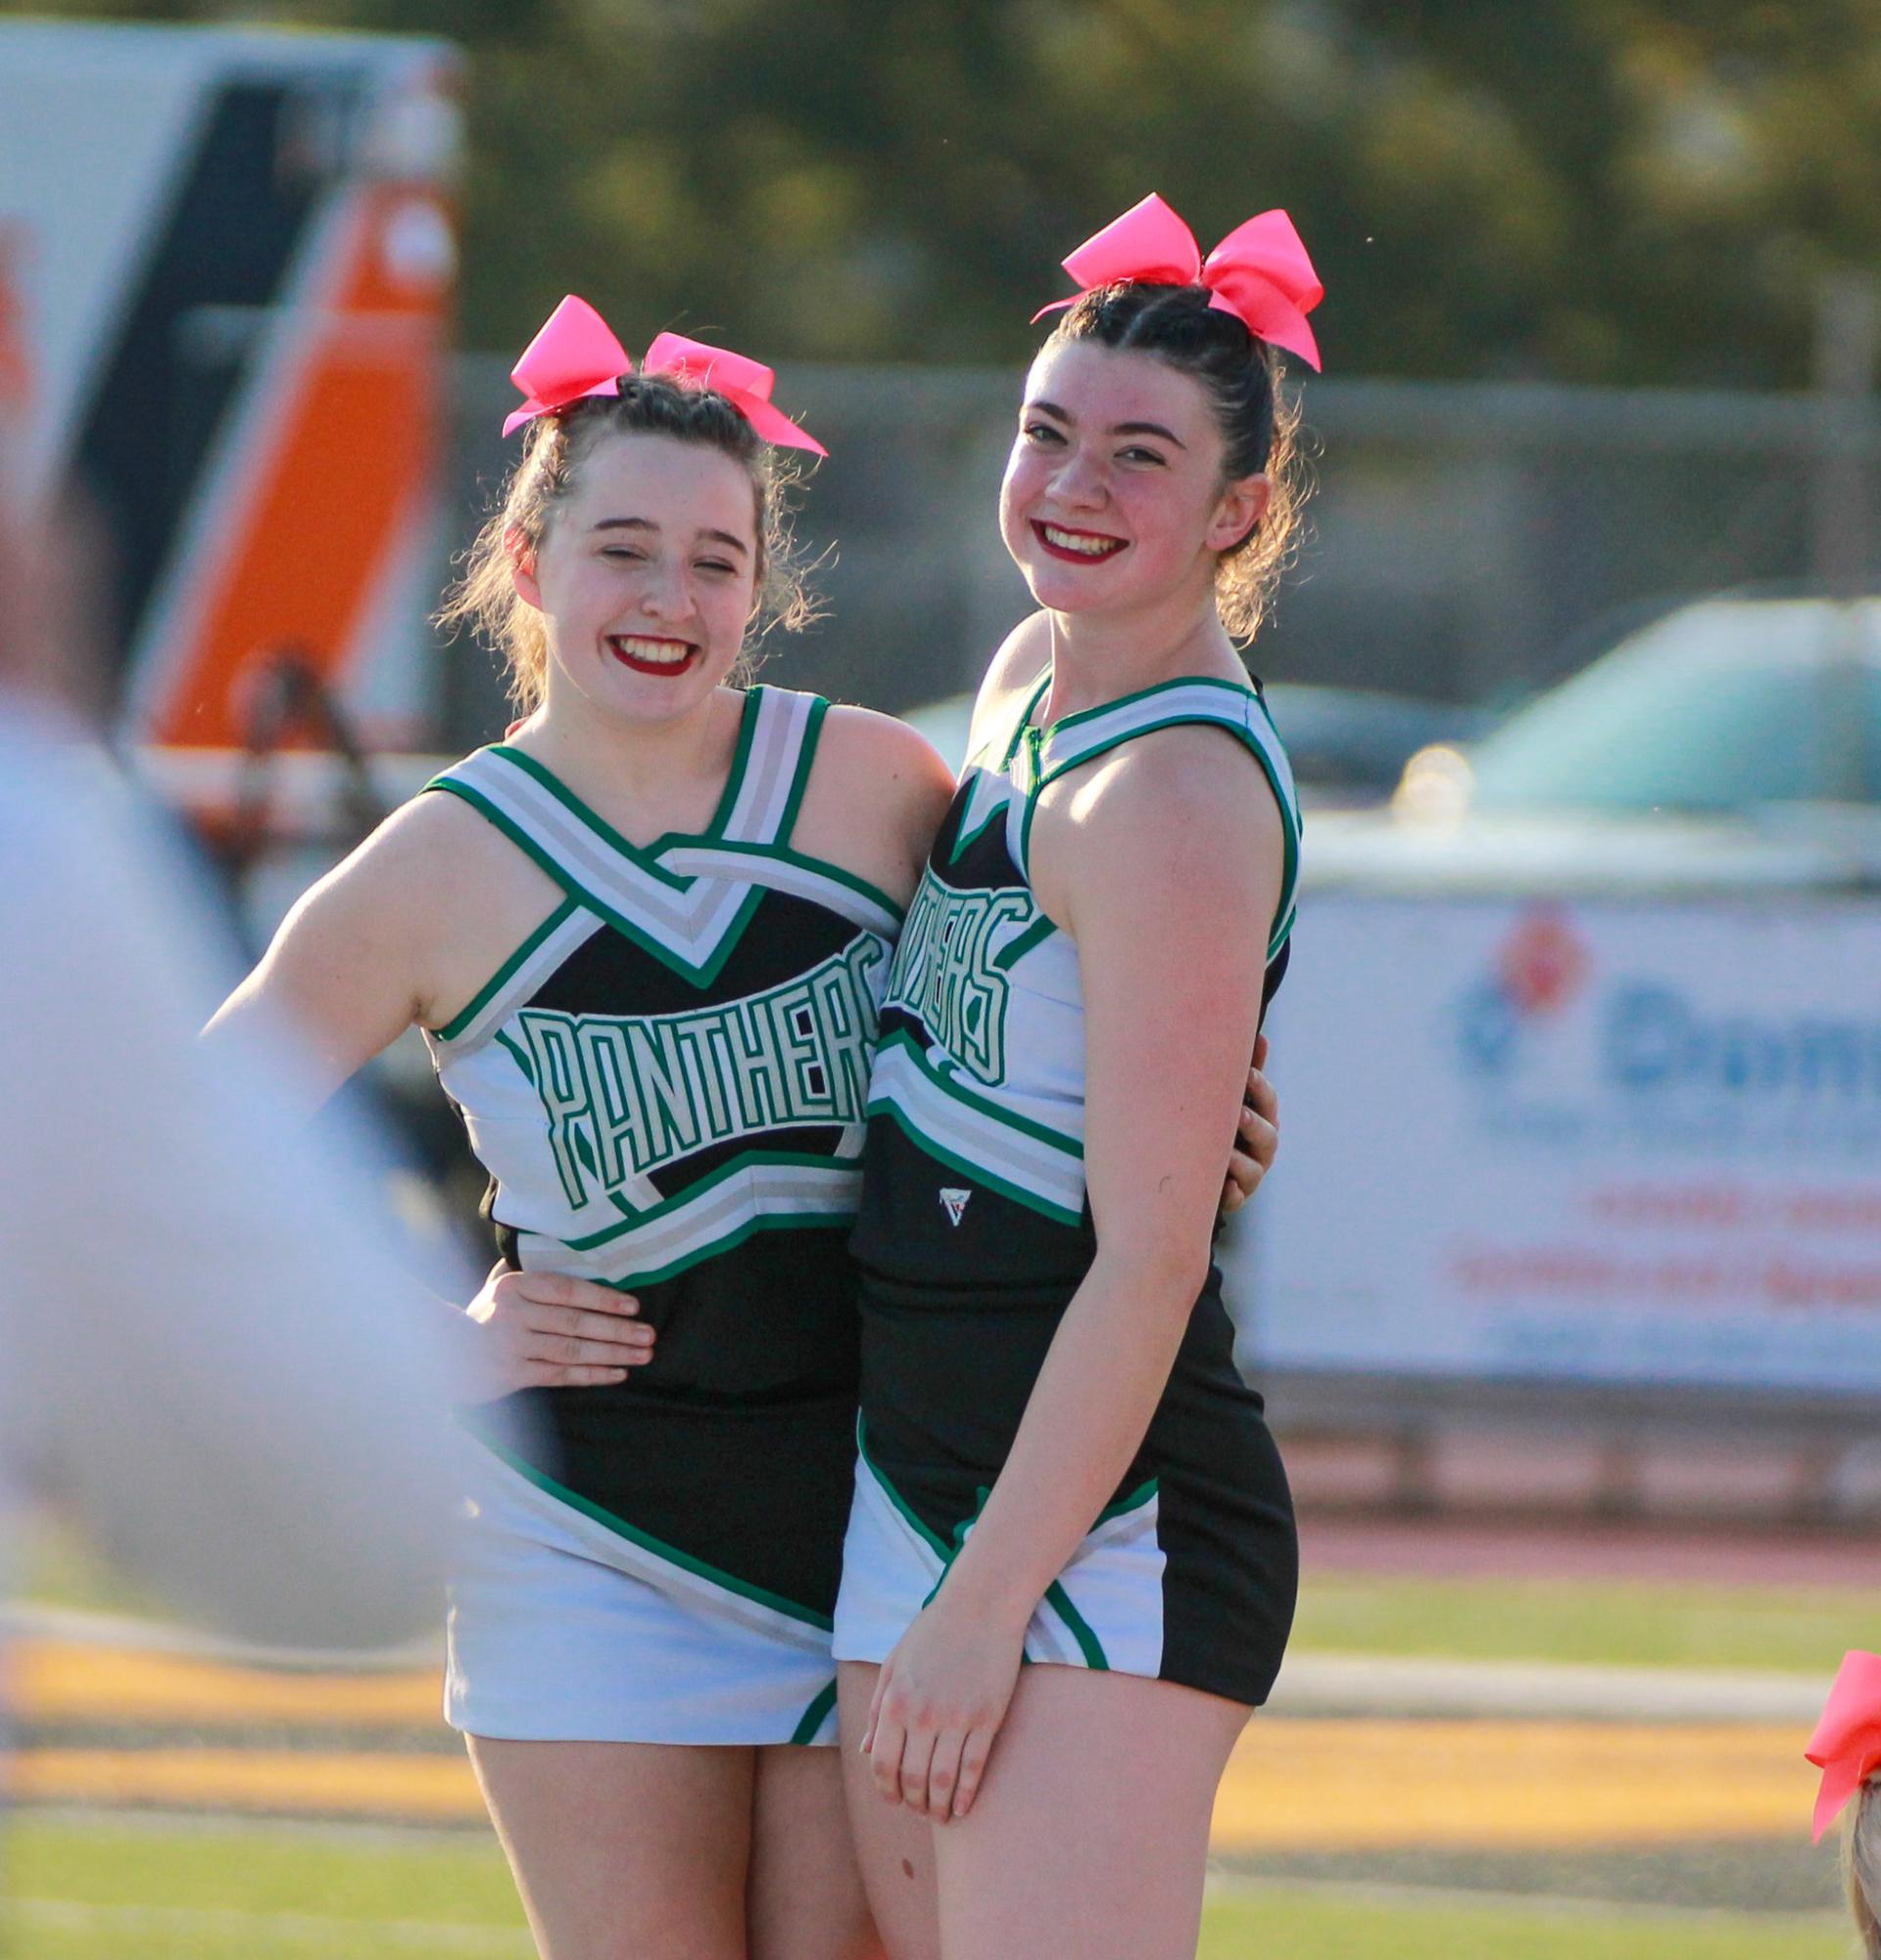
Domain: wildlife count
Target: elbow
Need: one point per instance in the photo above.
(1164, 1272)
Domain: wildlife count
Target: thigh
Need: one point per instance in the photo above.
(893, 1845)
(624, 1851)
(1089, 1837)
(805, 1899)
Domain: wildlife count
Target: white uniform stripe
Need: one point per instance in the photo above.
(771, 770)
(1002, 1150)
(690, 919)
(573, 932)
(602, 1543)
(785, 874)
(775, 1190)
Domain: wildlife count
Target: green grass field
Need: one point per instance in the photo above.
(101, 1889)
(104, 1887)
(1804, 1630)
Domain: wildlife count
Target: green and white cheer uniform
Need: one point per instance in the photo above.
(976, 1230)
(667, 1083)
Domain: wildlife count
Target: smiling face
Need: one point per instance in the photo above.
(646, 575)
(1114, 500)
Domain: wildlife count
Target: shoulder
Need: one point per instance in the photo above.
(876, 796)
(1193, 773)
(1021, 657)
(863, 738)
(414, 860)
(1175, 807)
(1024, 654)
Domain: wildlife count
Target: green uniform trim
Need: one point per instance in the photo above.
(1036, 935)
(938, 1544)
(822, 867)
(1088, 1644)
(1239, 690)
(647, 1542)
(980, 1105)
(1036, 778)
(1025, 722)
(815, 1715)
(699, 976)
(1136, 1500)
(805, 757)
(521, 1055)
(497, 980)
(967, 1167)
(741, 756)
(644, 855)
(760, 1221)
(633, 1220)
(966, 839)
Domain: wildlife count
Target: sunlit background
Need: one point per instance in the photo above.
(1566, 1291)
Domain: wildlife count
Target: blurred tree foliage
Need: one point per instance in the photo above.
(1613, 190)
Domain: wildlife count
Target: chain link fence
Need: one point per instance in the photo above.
(1464, 543)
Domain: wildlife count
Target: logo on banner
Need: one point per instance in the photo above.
(1673, 1052)
(1541, 968)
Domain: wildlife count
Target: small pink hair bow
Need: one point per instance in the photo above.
(1259, 272)
(575, 354)
(1846, 1745)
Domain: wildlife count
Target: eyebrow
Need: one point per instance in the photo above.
(648, 524)
(1116, 428)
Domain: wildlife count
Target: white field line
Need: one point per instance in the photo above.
(1549, 1905)
(1368, 1685)
(1309, 1683)
(431, 1935)
(68, 1625)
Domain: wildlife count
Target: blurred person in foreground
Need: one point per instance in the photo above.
(1847, 1749)
(211, 1357)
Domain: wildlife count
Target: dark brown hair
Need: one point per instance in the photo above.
(1260, 423)
(485, 598)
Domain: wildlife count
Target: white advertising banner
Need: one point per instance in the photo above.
(1610, 1141)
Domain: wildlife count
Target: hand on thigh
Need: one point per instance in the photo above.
(624, 1851)
(1089, 1837)
(894, 1846)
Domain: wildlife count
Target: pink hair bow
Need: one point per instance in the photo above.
(745, 384)
(575, 354)
(1846, 1745)
(1259, 272)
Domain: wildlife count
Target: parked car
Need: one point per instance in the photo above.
(1734, 741)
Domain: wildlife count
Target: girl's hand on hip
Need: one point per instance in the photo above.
(553, 1330)
(1259, 1141)
(939, 1700)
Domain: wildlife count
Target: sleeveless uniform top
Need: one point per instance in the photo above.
(975, 1173)
(667, 1082)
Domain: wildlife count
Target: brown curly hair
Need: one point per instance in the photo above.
(1259, 420)
(1861, 1867)
(485, 598)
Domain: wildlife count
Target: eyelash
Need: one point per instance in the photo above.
(622, 552)
(1038, 432)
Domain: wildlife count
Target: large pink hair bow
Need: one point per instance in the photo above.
(745, 384)
(1259, 272)
(575, 354)
(1846, 1745)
